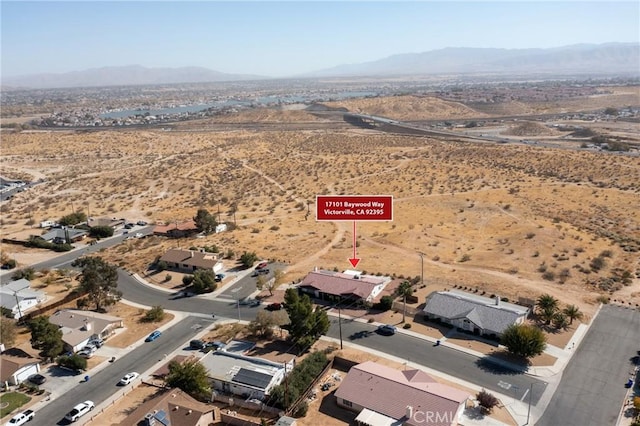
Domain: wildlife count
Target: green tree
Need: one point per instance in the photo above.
(205, 221)
(404, 290)
(99, 280)
(6, 312)
(74, 362)
(9, 331)
(248, 259)
(306, 324)
(524, 340)
(101, 231)
(547, 307)
(190, 376)
(46, 336)
(386, 303)
(204, 281)
(73, 219)
(572, 312)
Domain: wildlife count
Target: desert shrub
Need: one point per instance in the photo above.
(549, 275)
(407, 325)
(161, 266)
(167, 278)
(154, 314)
(486, 401)
(597, 263)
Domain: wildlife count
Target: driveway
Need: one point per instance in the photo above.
(592, 388)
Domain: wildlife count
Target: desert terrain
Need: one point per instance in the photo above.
(513, 219)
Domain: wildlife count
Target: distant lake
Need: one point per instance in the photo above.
(222, 104)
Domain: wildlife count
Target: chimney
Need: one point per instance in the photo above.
(409, 412)
(190, 251)
(190, 411)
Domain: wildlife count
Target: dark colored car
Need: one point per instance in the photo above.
(387, 330)
(153, 336)
(259, 272)
(196, 344)
(37, 379)
(262, 265)
(274, 307)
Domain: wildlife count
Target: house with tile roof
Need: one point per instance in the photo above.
(470, 312)
(384, 396)
(16, 366)
(19, 297)
(78, 327)
(173, 407)
(176, 229)
(346, 286)
(192, 260)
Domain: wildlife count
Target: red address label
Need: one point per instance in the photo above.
(354, 207)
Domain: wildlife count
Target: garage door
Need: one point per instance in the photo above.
(27, 371)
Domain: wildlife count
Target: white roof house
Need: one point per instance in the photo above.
(19, 297)
(78, 327)
(237, 374)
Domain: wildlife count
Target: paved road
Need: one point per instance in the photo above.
(592, 388)
(134, 291)
(103, 384)
(246, 285)
(446, 360)
(64, 260)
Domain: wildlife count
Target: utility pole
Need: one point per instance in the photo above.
(421, 268)
(340, 324)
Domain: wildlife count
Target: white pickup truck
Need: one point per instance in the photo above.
(21, 418)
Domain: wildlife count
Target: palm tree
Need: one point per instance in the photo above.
(404, 289)
(547, 302)
(572, 312)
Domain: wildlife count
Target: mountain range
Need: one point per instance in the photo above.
(585, 59)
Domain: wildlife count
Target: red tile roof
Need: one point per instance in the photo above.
(188, 225)
(389, 392)
(339, 284)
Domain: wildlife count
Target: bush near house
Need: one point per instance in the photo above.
(302, 375)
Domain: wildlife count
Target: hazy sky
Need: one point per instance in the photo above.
(286, 38)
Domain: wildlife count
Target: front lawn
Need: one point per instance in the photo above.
(12, 400)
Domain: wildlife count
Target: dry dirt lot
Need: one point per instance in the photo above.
(485, 215)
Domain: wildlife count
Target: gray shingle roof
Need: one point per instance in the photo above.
(482, 311)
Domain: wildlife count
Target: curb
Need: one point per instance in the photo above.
(530, 371)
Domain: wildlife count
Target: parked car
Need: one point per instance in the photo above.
(274, 307)
(85, 353)
(79, 411)
(153, 336)
(128, 378)
(37, 379)
(387, 329)
(219, 277)
(90, 347)
(21, 418)
(196, 344)
(142, 223)
(259, 272)
(262, 265)
(139, 235)
(97, 342)
(129, 226)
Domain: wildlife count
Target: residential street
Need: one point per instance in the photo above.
(103, 383)
(592, 388)
(441, 358)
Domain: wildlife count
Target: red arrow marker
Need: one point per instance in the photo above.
(354, 260)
